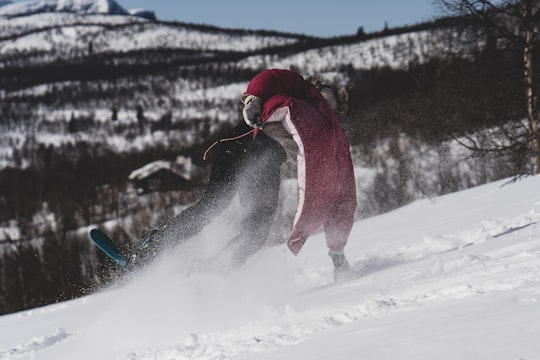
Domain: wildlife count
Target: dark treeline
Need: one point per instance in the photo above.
(438, 100)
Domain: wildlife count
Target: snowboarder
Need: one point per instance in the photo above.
(291, 118)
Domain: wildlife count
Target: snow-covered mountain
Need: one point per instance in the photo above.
(71, 6)
(90, 7)
(28, 8)
(64, 41)
(453, 277)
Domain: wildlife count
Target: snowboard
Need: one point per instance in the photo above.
(105, 244)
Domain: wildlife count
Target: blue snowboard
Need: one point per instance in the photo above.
(105, 244)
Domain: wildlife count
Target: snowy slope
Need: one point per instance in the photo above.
(67, 34)
(455, 277)
(74, 6)
(90, 7)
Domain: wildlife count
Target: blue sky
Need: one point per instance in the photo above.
(310, 17)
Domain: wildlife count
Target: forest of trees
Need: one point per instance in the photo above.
(53, 192)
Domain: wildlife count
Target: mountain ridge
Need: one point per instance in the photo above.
(83, 7)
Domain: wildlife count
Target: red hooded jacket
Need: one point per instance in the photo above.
(325, 173)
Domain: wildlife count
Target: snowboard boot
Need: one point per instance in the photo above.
(144, 253)
(341, 266)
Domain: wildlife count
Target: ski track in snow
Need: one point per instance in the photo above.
(35, 344)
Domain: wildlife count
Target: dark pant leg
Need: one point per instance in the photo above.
(220, 190)
(217, 196)
(250, 167)
(258, 186)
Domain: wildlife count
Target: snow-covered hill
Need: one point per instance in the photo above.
(72, 6)
(454, 277)
(36, 38)
(48, 39)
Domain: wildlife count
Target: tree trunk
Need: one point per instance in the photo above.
(529, 81)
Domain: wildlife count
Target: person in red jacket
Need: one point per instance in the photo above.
(293, 119)
(285, 106)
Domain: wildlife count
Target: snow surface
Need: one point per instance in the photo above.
(453, 277)
(77, 6)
